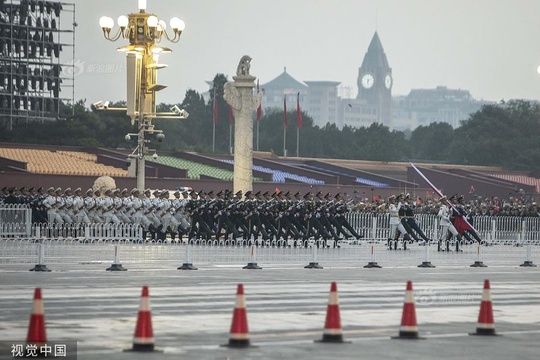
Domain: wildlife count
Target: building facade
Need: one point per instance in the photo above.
(374, 102)
(375, 82)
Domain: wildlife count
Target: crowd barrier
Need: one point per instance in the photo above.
(15, 220)
(507, 240)
(211, 253)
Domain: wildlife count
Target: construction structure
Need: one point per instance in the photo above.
(37, 48)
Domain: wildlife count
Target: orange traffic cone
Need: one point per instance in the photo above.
(143, 340)
(332, 326)
(408, 329)
(486, 324)
(36, 329)
(239, 334)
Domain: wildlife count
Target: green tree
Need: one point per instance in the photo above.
(500, 135)
(431, 142)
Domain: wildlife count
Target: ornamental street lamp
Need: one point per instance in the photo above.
(144, 31)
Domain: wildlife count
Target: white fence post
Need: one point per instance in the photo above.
(40, 266)
(187, 265)
(314, 264)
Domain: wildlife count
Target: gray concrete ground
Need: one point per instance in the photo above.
(286, 307)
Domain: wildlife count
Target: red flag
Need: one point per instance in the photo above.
(231, 116)
(259, 109)
(299, 121)
(215, 107)
(285, 123)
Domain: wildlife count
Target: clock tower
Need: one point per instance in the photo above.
(375, 82)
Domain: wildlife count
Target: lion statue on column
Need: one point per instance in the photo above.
(243, 66)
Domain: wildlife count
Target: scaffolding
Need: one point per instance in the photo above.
(37, 51)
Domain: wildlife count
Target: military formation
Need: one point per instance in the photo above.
(454, 221)
(281, 218)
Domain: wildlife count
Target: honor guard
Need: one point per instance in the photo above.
(78, 205)
(120, 209)
(396, 227)
(341, 212)
(108, 208)
(409, 216)
(50, 204)
(447, 227)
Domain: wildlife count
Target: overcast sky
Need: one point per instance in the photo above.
(489, 47)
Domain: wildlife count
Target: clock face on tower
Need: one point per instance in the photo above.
(367, 81)
(388, 81)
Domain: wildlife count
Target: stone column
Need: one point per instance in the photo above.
(239, 94)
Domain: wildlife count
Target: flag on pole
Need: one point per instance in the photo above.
(285, 123)
(299, 121)
(215, 107)
(259, 109)
(231, 116)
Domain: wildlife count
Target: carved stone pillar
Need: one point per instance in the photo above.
(239, 94)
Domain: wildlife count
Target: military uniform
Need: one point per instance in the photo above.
(447, 228)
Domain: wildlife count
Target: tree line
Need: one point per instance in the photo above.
(504, 134)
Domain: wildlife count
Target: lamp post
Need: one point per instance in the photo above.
(144, 31)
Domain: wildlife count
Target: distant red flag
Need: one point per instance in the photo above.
(285, 123)
(259, 109)
(299, 121)
(215, 107)
(231, 116)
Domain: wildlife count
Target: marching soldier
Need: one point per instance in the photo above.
(409, 216)
(139, 213)
(178, 212)
(120, 208)
(50, 204)
(170, 224)
(61, 206)
(396, 227)
(447, 228)
(68, 207)
(92, 204)
(461, 220)
(81, 217)
(263, 208)
(108, 208)
(341, 211)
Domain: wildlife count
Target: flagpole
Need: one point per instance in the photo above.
(258, 117)
(297, 141)
(257, 135)
(285, 125)
(298, 124)
(214, 137)
(214, 120)
(284, 141)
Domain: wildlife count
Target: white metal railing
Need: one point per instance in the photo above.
(92, 232)
(74, 252)
(15, 220)
(495, 228)
(507, 239)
